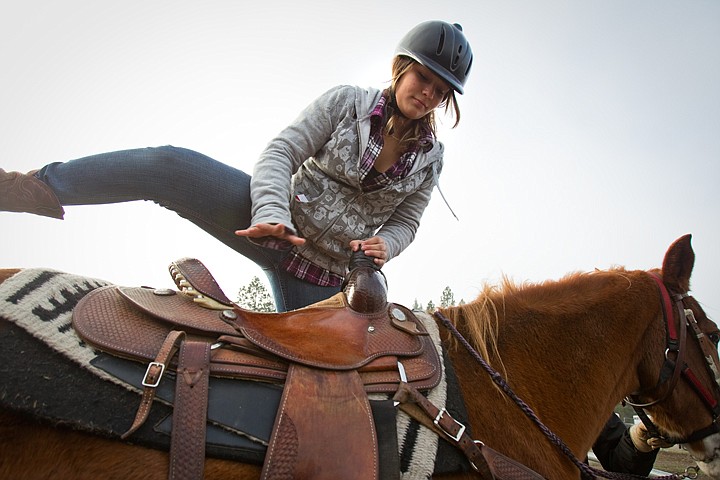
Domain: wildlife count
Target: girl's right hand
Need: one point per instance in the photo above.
(277, 230)
(372, 247)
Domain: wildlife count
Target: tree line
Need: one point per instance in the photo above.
(256, 296)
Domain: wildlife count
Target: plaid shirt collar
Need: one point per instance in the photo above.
(373, 180)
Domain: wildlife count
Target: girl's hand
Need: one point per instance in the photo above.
(277, 230)
(372, 247)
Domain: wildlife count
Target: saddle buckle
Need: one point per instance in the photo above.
(403, 378)
(152, 378)
(461, 430)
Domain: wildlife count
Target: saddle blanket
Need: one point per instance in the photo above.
(42, 379)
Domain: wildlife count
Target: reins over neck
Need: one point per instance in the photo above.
(586, 471)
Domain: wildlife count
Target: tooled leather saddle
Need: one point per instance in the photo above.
(328, 357)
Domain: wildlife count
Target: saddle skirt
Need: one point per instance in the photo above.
(134, 322)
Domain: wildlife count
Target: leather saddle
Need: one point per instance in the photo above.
(328, 357)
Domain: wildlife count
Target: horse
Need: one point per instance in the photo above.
(559, 356)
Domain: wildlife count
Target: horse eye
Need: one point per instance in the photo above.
(714, 337)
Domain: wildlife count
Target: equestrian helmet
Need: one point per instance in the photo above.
(441, 47)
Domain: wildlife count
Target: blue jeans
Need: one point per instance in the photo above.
(211, 194)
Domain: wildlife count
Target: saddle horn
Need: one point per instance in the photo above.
(365, 285)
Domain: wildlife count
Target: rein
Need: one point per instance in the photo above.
(586, 470)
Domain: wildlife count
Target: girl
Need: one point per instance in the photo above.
(353, 172)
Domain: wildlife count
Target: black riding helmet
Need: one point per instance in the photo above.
(441, 47)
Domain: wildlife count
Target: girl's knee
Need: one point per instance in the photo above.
(176, 158)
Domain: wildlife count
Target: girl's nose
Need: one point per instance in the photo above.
(428, 91)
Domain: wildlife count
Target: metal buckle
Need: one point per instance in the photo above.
(403, 378)
(476, 442)
(401, 369)
(154, 384)
(437, 422)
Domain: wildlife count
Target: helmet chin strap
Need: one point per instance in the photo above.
(394, 111)
(393, 103)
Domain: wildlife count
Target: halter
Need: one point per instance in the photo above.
(674, 366)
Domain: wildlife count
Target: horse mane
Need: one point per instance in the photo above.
(482, 317)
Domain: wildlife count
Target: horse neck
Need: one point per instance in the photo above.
(570, 351)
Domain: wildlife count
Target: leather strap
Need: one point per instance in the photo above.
(489, 463)
(187, 444)
(505, 468)
(324, 428)
(153, 375)
(192, 271)
(417, 406)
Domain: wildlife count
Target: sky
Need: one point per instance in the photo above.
(589, 134)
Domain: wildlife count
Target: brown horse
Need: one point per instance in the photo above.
(569, 349)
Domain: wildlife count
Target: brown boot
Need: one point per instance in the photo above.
(20, 192)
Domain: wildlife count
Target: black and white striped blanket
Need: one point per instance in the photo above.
(41, 301)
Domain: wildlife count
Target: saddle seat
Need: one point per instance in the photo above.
(328, 357)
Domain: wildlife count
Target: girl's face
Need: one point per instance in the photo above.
(419, 91)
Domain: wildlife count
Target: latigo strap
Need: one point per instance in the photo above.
(489, 463)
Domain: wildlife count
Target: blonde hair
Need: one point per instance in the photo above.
(401, 64)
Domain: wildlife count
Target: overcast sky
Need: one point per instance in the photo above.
(590, 131)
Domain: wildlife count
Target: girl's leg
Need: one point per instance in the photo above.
(289, 292)
(182, 180)
(299, 293)
(211, 194)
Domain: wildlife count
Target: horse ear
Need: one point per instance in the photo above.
(678, 264)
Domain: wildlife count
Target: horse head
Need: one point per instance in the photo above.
(591, 339)
(680, 384)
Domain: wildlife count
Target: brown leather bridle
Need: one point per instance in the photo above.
(674, 366)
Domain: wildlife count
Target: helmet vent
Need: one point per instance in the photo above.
(456, 58)
(441, 41)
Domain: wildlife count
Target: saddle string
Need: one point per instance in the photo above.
(586, 470)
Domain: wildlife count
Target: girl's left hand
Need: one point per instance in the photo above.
(373, 247)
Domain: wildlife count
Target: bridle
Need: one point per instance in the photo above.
(671, 371)
(674, 366)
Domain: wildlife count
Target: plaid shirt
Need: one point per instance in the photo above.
(371, 178)
(302, 268)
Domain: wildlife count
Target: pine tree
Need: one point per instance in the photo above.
(447, 299)
(430, 307)
(254, 296)
(416, 305)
